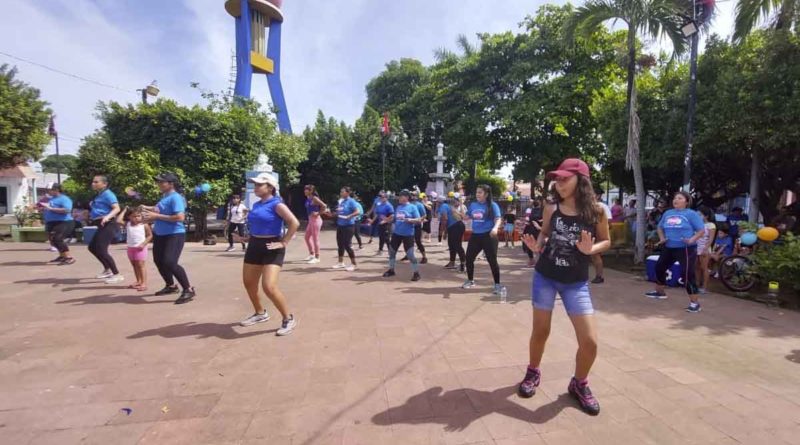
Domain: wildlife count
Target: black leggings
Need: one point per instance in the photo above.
(687, 257)
(485, 242)
(166, 252)
(418, 239)
(57, 231)
(455, 235)
(383, 236)
(99, 245)
(235, 227)
(344, 241)
(357, 234)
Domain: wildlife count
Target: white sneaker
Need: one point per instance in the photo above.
(469, 284)
(230, 249)
(255, 318)
(52, 249)
(313, 261)
(309, 258)
(114, 279)
(350, 268)
(287, 327)
(104, 274)
(339, 266)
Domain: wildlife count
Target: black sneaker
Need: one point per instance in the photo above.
(186, 296)
(56, 260)
(527, 388)
(450, 265)
(416, 277)
(405, 258)
(67, 261)
(598, 280)
(388, 273)
(461, 268)
(167, 290)
(584, 396)
(424, 260)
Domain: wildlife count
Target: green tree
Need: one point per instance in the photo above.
(785, 15)
(23, 120)
(52, 163)
(214, 144)
(655, 18)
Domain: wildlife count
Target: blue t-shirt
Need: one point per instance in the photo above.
(478, 213)
(102, 203)
(346, 207)
(734, 220)
(383, 210)
(264, 220)
(679, 225)
(420, 208)
(445, 209)
(59, 202)
(403, 213)
(311, 207)
(726, 243)
(170, 204)
(360, 212)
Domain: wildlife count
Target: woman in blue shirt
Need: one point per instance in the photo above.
(486, 217)
(346, 213)
(383, 211)
(266, 250)
(415, 201)
(451, 215)
(406, 217)
(169, 235)
(59, 223)
(678, 230)
(105, 208)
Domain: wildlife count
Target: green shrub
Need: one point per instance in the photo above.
(781, 262)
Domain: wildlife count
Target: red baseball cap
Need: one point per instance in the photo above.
(570, 167)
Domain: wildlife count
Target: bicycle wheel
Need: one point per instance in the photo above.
(737, 273)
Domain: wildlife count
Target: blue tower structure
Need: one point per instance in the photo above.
(258, 51)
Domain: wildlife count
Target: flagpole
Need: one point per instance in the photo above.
(58, 163)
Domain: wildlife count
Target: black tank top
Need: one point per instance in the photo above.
(561, 260)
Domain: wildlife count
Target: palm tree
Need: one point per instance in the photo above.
(784, 14)
(652, 18)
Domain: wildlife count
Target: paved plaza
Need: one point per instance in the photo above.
(375, 361)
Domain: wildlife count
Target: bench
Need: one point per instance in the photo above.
(28, 234)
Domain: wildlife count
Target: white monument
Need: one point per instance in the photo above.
(440, 176)
(262, 165)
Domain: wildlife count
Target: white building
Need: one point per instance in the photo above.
(21, 182)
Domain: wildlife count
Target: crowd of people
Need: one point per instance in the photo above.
(561, 235)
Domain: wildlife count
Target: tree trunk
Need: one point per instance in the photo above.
(633, 161)
(200, 224)
(755, 174)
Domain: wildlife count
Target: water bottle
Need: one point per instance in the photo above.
(772, 293)
(503, 295)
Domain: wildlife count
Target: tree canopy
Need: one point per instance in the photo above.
(23, 120)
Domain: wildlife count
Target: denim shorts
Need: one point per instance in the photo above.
(575, 296)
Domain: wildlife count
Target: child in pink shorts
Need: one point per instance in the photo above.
(139, 236)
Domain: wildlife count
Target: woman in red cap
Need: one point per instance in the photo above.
(574, 228)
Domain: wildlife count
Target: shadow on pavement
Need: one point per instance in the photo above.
(54, 281)
(794, 357)
(198, 330)
(26, 263)
(111, 299)
(421, 408)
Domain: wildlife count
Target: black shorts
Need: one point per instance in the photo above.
(426, 227)
(406, 241)
(257, 252)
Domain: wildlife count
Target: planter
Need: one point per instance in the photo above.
(28, 234)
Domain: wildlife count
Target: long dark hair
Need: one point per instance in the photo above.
(687, 196)
(487, 190)
(585, 202)
(313, 190)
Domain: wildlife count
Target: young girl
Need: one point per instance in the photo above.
(704, 248)
(314, 208)
(139, 236)
(574, 229)
(510, 218)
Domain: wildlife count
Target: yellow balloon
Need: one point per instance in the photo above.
(510, 198)
(768, 234)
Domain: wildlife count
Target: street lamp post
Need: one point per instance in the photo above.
(149, 90)
(693, 33)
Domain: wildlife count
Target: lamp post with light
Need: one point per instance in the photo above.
(149, 90)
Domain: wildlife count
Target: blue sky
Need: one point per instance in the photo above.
(331, 49)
